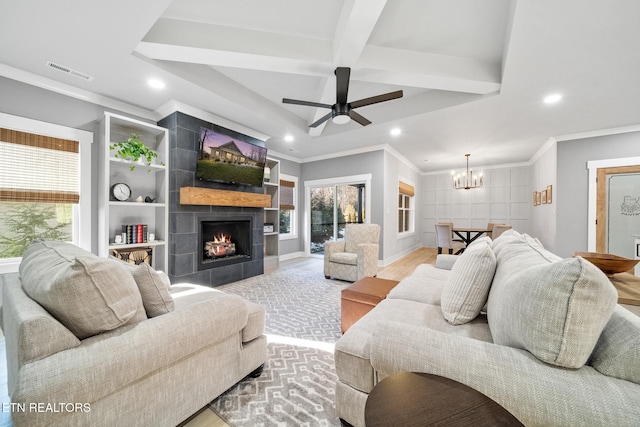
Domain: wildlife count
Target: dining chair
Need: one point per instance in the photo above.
(453, 235)
(443, 237)
(490, 228)
(498, 229)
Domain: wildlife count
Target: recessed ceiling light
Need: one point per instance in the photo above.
(156, 84)
(553, 98)
(288, 138)
(396, 131)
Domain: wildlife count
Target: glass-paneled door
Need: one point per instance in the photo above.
(618, 220)
(331, 208)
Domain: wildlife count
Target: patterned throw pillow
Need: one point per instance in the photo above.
(468, 284)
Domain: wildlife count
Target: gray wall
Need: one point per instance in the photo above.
(572, 192)
(20, 99)
(357, 164)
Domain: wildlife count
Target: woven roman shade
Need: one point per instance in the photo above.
(38, 168)
(286, 194)
(407, 189)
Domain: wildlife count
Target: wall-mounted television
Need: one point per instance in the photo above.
(228, 157)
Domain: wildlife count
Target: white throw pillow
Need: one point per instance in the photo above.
(154, 288)
(555, 310)
(468, 284)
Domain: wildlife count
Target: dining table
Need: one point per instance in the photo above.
(469, 234)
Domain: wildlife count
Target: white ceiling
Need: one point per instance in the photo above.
(473, 72)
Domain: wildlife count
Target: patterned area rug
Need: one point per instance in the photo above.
(303, 323)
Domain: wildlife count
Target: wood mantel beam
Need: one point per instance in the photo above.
(213, 197)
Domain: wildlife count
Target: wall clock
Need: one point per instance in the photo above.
(120, 191)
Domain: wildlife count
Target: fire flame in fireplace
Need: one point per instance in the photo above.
(222, 238)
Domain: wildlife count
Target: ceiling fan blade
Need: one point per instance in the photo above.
(375, 99)
(358, 118)
(320, 120)
(342, 84)
(306, 103)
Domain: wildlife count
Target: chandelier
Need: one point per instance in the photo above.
(466, 180)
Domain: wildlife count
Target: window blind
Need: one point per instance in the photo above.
(38, 168)
(286, 194)
(407, 189)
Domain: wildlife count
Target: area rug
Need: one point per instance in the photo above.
(302, 325)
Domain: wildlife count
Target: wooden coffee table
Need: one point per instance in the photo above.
(360, 298)
(411, 399)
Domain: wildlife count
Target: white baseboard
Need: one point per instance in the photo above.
(385, 262)
(292, 255)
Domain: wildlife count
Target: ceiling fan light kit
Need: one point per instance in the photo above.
(466, 180)
(342, 111)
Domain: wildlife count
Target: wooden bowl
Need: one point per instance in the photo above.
(608, 263)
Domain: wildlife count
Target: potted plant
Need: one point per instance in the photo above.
(134, 149)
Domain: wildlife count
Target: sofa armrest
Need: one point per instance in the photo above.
(534, 392)
(331, 247)
(367, 259)
(446, 261)
(108, 362)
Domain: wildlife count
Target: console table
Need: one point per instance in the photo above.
(412, 399)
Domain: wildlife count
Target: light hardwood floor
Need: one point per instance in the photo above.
(397, 270)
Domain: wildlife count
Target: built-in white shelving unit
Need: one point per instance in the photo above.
(272, 216)
(144, 181)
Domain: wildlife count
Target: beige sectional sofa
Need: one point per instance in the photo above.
(553, 348)
(92, 341)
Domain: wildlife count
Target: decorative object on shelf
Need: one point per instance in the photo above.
(120, 192)
(152, 237)
(148, 199)
(134, 255)
(139, 199)
(549, 190)
(268, 228)
(466, 180)
(267, 173)
(608, 263)
(134, 149)
(118, 238)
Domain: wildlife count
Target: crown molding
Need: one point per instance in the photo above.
(598, 132)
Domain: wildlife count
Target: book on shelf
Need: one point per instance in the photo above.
(135, 233)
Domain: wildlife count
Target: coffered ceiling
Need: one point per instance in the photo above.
(473, 72)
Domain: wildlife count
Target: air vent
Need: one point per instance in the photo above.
(69, 71)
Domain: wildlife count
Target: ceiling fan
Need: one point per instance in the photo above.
(342, 111)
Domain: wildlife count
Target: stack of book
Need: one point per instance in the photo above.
(135, 233)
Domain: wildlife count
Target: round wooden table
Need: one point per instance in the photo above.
(412, 399)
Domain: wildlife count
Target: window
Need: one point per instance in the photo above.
(406, 193)
(44, 192)
(288, 199)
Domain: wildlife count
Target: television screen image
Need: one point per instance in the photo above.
(223, 158)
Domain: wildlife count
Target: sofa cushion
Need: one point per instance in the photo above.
(617, 353)
(555, 310)
(468, 285)
(423, 285)
(87, 294)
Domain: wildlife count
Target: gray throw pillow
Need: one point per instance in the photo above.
(617, 353)
(87, 294)
(154, 288)
(556, 310)
(468, 284)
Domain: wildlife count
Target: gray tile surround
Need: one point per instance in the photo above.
(184, 134)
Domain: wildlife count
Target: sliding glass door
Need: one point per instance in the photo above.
(331, 208)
